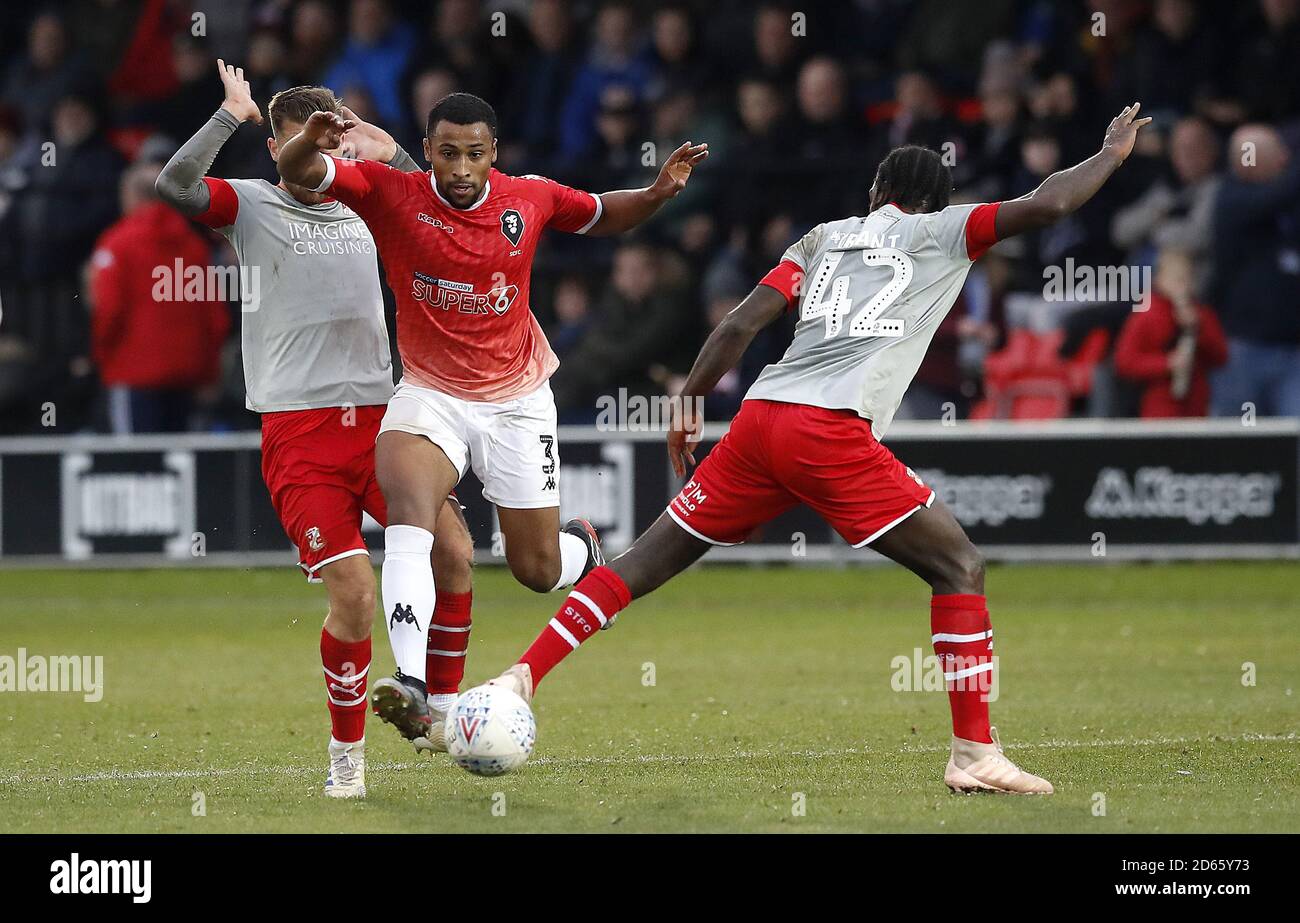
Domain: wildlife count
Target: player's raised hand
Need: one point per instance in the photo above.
(1122, 133)
(239, 95)
(364, 141)
(326, 130)
(677, 168)
(683, 434)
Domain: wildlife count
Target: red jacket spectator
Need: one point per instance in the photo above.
(141, 341)
(1143, 350)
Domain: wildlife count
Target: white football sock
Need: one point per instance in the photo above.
(441, 701)
(573, 558)
(407, 588)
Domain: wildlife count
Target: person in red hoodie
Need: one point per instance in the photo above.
(1171, 347)
(157, 319)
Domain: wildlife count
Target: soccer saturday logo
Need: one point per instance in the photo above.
(103, 876)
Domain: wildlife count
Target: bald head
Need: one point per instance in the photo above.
(1257, 153)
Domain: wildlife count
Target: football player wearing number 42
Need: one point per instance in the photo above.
(870, 292)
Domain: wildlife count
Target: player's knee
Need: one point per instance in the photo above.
(453, 561)
(406, 509)
(965, 570)
(353, 603)
(536, 570)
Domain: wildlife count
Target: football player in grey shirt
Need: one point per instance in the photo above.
(870, 293)
(317, 367)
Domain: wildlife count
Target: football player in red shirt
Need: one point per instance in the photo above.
(457, 245)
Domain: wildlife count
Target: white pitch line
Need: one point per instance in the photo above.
(145, 775)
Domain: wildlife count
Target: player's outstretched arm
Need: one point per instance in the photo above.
(300, 162)
(180, 183)
(624, 209)
(720, 353)
(365, 141)
(1066, 191)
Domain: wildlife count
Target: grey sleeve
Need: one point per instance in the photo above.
(180, 183)
(404, 162)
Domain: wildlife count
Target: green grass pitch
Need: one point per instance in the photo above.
(771, 689)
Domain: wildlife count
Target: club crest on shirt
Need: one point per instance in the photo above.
(314, 540)
(512, 226)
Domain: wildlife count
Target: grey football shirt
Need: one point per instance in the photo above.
(313, 315)
(874, 291)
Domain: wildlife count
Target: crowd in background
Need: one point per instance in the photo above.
(798, 104)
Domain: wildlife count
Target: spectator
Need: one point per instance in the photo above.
(920, 118)
(533, 106)
(374, 59)
(616, 59)
(157, 336)
(637, 321)
(572, 307)
(46, 73)
(1176, 211)
(1257, 275)
(776, 52)
(1170, 347)
(70, 198)
(678, 62)
(985, 173)
(427, 88)
(313, 41)
(828, 136)
(458, 40)
(761, 162)
(1268, 79)
(1174, 61)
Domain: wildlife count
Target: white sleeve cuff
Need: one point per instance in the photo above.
(600, 210)
(329, 173)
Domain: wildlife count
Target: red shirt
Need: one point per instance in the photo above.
(461, 276)
(1142, 355)
(150, 328)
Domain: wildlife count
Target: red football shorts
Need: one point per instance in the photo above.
(778, 455)
(319, 466)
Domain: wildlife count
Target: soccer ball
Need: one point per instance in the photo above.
(490, 730)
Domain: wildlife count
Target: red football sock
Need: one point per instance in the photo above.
(596, 599)
(346, 664)
(444, 663)
(963, 641)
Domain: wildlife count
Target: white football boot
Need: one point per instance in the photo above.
(977, 767)
(518, 679)
(347, 774)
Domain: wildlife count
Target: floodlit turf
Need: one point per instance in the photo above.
(1121, 684)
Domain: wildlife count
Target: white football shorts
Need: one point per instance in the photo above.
(510, 445)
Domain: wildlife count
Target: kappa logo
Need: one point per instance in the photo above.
(314, 540)
(401, 614)
(512, 226)
(434, 222)
(548, 466)
(470, 725)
